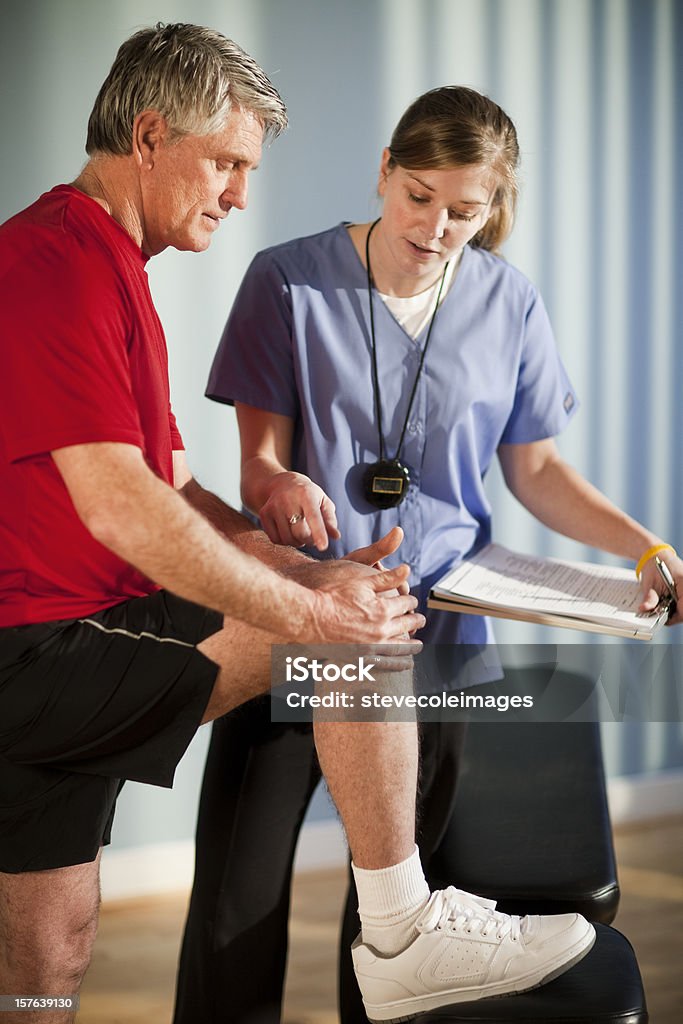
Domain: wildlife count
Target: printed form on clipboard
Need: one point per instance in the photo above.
(554, 592)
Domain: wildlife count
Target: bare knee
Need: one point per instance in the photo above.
(48, 923)
(50, 959)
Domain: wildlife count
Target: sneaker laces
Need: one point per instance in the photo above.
(454, 910)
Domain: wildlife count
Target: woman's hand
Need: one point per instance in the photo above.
(298, 512)
(653, 588)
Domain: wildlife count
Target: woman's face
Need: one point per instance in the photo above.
(428, 216)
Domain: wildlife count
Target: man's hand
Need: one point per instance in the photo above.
(368, 609)
(313, 573)
(382, 548)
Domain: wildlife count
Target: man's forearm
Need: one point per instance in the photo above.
(148, 524)
(145, 522)
(240, 530)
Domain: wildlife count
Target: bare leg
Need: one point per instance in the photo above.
(48, 921)
(243, 654)
(371, 773)
(370, 767)
(440, 754)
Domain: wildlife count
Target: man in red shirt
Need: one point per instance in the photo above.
(134, 604)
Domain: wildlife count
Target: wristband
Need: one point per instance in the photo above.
(650, 553)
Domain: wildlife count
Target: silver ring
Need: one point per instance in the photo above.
(296, 518)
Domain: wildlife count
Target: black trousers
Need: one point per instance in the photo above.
(258, 781)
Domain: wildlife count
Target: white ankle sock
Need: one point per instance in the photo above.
(390, 901)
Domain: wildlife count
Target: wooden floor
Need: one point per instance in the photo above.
(132, 975)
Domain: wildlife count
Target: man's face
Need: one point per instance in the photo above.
(192, 184)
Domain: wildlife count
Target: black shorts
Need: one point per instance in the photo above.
(86, 704)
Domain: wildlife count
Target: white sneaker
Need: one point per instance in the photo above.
(467, 950)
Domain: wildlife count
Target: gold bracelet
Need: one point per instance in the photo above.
(650, 554)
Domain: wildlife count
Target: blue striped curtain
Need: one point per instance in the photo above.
(594, 87)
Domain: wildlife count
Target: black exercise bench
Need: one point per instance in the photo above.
(531, 830)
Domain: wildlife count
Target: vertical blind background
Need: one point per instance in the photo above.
(594, 87)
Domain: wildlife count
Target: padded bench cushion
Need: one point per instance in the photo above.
(604, 988)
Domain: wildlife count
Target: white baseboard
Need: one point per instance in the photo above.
(641, 798)
(167, 867)
(147, 870)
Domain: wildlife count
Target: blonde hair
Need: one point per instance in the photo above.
(193, 76)
(456, 126)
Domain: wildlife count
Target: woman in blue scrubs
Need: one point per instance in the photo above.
(377, 369)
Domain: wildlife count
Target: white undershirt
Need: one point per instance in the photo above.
(413, 312)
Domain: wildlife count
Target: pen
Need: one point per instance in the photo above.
(672, 596)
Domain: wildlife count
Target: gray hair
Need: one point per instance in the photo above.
(193, 76)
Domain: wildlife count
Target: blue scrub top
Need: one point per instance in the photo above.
(297, 343)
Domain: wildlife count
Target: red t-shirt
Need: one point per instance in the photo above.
(82, 358)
